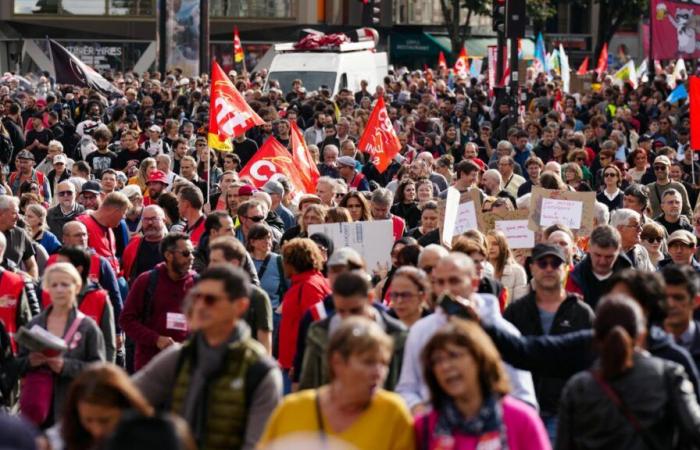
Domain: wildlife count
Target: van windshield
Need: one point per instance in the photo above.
(311, 80)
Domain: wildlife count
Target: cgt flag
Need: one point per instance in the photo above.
(229, 114)
(308, 172)
(71, 70)
(272, 159)
(238, 55)
(461, 67)
(379, 138)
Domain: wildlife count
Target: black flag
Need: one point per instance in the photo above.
(71, 70)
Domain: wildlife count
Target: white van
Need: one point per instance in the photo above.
(341, 68)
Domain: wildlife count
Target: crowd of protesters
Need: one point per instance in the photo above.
(199, 311)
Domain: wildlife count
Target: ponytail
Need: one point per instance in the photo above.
(616, 353)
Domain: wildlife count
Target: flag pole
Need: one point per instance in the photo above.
(651, 64)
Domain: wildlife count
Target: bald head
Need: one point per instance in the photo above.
(75, 234)
(455, 275)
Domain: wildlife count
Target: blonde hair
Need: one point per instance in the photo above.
(65, 268)
(354, 336)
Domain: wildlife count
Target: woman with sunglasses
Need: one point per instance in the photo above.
(653, 240)
(469, 388)
(611, 195)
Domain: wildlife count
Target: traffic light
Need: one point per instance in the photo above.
(499, 15)
(516, 19)
(371, 12)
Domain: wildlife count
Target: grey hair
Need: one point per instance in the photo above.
(621, 217)
(3, 245)
(671, 191)
(605, 236)
(602, 213)
(55, 143)
(382, 196)
(330, 147)
(494, 173)
(439, 250)
(6, 202)
(504, 144)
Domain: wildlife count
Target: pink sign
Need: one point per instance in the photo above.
(676, 29)
(493, 57)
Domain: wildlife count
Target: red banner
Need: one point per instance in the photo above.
(379, 138)
(676, 29)
(694, 94)
(302, 158)
(271, 159)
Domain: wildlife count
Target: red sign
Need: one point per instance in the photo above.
(676, 28)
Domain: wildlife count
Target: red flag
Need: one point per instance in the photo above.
(583, 68)
(272, 158)
(462, 63)
(379, 138)
(303, 160)
(238, 55)
(694, 94)
(602, 61)
(442, 62)
(229, 114)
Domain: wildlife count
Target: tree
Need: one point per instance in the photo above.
(451, 11)
(538, 11)
(615, 13)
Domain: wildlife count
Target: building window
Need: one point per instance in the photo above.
(276, 9)
(85, 7)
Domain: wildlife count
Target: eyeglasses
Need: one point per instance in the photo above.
(65, 193)
(256, 219)
(150, 219)
(610, 175)
(652, 240)
(340, 194)
(209, 299)
(580, 159)
(554, 263)
(636, 226)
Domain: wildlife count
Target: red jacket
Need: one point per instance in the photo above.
(129, 256)
(167, 299)
(306, 290)
(101, 239)
(399, 226)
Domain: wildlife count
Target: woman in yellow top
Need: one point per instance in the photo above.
(352, 408)
(147, 166)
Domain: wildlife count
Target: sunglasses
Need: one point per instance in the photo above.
(256, 219)
(660, 168)
(554, 263)
(610, 175)
(654, 240)
(185, 253)
(209, 299)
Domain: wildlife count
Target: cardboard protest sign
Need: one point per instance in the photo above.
(373, 240)
(513, 224)
(459, 213)
(548, 207)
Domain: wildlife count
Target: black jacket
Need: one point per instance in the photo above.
(655, 392)
(582, 280)
(567, 354)
(572, 315)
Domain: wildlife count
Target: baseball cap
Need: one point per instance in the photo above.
(25, 154)
(273, 187)
(91, 186)
(684, 236)
(323, 240)
(542, 250)
(246, 190)
(155, 128)
(58, 159)
(158, 176)
(344, 256)
(346, 161)
(662, 159)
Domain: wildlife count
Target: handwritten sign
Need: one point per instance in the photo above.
(575, 210)
(517, 233)
(458, 213)
(561, 212)
(373, 240)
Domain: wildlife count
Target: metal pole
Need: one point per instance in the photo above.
(514, 74)
(203, 36)
(499, 61)
(651, 67)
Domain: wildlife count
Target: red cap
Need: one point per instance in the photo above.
(479, 163)
(246, 190)
(158, 176)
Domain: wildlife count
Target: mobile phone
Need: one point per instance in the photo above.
(454, 308)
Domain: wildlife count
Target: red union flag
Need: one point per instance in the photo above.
(272, 159)
(379, 138)
(442, 62)
(237, 47)
(303, 160)
(229, 114)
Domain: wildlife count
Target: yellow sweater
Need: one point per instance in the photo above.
(386, 425)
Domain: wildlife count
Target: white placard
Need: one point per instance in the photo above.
(517, 233)
(466, 218)
(372, 240)
(562, 212)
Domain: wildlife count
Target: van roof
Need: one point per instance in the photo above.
(342, 48)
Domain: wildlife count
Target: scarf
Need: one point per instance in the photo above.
(488, 420)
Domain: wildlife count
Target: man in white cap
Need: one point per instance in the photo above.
(354, 179)
(681, 249)
(155, 145)
(662, 166)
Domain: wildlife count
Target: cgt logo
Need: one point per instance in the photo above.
(264, 169)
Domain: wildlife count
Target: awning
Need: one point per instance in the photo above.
(424, 47)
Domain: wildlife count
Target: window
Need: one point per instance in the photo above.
(85, 7)
(276, 9)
